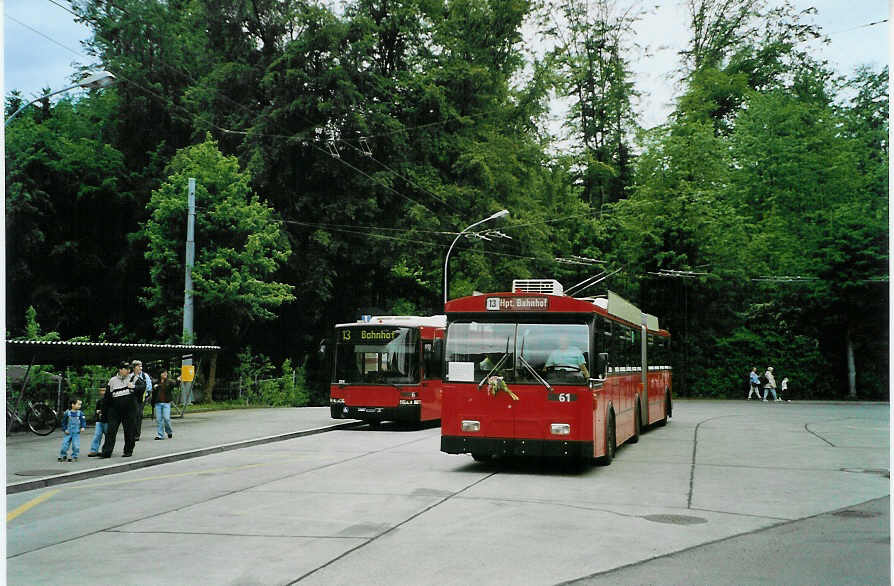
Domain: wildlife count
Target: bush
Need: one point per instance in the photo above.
(287, 390)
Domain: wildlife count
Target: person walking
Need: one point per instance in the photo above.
(754, 382)
(143, 387)
(770, 385)
(783, 388)
(162, 394)
(101, 423)
(120, 409)
(73, 423)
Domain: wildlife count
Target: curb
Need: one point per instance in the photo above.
(177, 456)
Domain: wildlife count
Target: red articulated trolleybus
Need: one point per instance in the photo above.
(388, 368)
(537, 373)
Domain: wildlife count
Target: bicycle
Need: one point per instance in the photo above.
(39, 417)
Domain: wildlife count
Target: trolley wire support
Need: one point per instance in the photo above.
(678, 274)
(333, 150)
(364, 147)
(590, 281)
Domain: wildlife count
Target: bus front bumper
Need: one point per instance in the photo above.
(402, 413)
(488, 446)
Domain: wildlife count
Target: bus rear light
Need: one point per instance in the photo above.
(560, 428)
(470, 425)
(336, 401)
(409, 402)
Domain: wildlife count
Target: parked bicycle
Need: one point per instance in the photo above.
(39, 417)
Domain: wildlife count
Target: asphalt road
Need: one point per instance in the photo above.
(728, 492)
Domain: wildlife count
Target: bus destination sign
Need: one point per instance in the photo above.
(368, 335)
(517, 303)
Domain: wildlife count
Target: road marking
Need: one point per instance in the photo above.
(33, 502)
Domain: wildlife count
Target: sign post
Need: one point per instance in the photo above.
(187, 370)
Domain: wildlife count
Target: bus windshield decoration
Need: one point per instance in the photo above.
(562, 376)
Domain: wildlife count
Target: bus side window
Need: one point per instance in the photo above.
(601, 346)
(433, 357)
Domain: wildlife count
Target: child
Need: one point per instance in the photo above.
(73, 423)
(101, 424)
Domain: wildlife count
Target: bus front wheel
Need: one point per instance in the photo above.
(610, 444)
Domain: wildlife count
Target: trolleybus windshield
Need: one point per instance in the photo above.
(555, 352)
(376, 355)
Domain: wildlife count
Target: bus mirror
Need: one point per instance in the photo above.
(601, 364)
(323, 347)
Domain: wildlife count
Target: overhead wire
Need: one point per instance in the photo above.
(295, 137)
(414, 241)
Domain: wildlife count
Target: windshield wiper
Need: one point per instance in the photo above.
(494, 369)
(530, 368)
(533, 372)
(498, 365)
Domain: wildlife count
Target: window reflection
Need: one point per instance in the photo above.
(481, 349)
(557, 352)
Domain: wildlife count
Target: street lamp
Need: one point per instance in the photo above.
(94, 81)
(499, 214)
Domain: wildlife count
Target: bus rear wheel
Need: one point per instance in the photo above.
(610, 443)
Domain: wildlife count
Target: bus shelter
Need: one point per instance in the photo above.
(31, 352)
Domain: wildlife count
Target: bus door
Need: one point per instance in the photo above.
(430, 391)
(644, 399)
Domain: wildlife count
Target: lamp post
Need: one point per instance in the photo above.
(499, 214)
(93, 81)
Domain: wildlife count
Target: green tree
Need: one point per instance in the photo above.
(590, 67)
(240, 246)
(66, 210)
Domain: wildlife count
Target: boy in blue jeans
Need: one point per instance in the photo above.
(73, 423)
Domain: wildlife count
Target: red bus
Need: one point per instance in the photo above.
(534, 372)
(388, 368)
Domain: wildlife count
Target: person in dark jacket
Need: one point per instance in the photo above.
(120, 409)
(162, 393)
(101, 423)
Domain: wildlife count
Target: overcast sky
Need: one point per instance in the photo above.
(42, 43)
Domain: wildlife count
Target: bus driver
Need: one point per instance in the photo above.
(567, 358)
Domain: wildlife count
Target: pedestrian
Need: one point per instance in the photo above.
(783, 388)
(770, 385)
(73, 423)
(143, 386)
(101, 423)
(161, 404)
(120, 409)
(754, 382)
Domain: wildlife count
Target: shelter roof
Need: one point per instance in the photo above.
(64, 353)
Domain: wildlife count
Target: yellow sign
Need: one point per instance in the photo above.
(187, 373)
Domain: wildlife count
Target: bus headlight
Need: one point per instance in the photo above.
(560, 428)
(471, 425)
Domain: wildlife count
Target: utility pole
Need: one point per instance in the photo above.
(187, 371)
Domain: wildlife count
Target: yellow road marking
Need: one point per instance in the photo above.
(33, 502)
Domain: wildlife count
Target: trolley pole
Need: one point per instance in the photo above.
(186, 369)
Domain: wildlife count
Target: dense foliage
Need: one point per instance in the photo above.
(337, 155)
